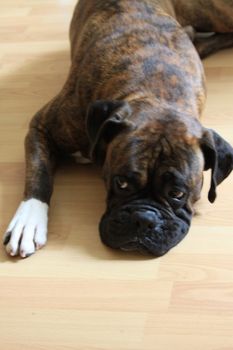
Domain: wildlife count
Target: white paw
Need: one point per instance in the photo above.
(80, 159)
(28, 228)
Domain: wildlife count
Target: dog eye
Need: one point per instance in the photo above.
(121, 182)
(176, 194)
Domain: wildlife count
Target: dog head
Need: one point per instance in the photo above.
(153, 162)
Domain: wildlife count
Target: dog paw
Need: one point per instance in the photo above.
(27, 231)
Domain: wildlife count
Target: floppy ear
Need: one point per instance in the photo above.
(105, 119)
(218, 156)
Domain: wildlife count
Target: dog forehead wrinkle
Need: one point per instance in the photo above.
(129, 147)
(181, 157)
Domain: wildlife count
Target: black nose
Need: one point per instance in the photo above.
(144, 220)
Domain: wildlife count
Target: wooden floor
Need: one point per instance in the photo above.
(76, 293)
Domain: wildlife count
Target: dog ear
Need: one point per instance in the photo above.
(218, 156)
(105, 119)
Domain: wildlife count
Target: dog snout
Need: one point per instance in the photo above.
(144, 220)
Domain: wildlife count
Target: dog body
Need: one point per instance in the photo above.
(132, 103)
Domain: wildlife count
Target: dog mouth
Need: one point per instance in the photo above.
(143, 228)
(140, 247)
(135, 245)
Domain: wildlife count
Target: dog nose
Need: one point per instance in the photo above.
(144, 220)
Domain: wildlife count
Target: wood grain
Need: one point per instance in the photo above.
(76, 293)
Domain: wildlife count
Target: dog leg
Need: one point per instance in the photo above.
(208, 45)
(28, 229)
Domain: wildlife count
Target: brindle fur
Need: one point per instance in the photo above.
(138, 52)
(133, 50)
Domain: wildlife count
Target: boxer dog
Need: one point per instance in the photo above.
(131, 103)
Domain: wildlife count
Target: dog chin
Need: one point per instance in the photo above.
(140, 247)
(118, 231)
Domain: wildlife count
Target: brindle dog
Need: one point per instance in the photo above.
(132, 101)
